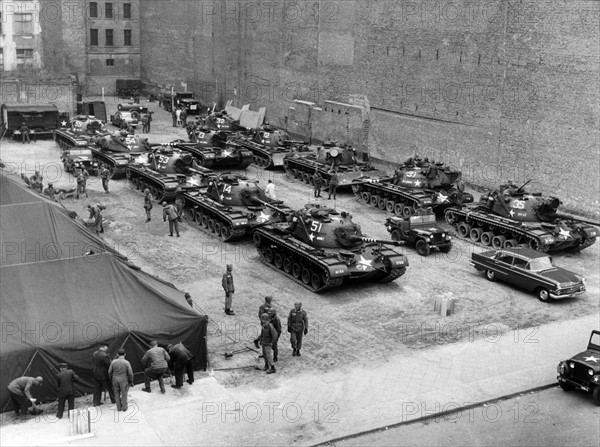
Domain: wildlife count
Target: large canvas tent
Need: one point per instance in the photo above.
(63, 291)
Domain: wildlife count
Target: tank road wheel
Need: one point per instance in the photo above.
(217, 228)
(498, 241)
(255, 160)
(306, 178)
(390, 206)
(136, 183)
(211, 225)
(509, 243)
(398, 209)
(382, 203)
(204, 221)
(366, 197)
(315, 281)
(296, 270)
(268, 252)
(306, 276)
(374, 201)
(543, 294)
(475, 234)
(407, 211)
(225, 231)
(534, 245)
(464, 229)
(111, 171)
(287, 265)
(486, 238)
(198, 217)
(278, 261)
(490, 275)
(190, 213)
(422, 247)
(310, 179)
(295, 174)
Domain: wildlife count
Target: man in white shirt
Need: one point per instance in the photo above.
(270, 190)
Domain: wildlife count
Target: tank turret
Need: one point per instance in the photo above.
(221, 121)
(321, 248)
(510, 215)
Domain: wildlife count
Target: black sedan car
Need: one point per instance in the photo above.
(531, 270)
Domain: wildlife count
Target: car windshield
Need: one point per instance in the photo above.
(423, 219)
(539, 264)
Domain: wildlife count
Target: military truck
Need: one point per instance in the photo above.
(41, 119)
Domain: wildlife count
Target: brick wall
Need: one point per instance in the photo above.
(40, 90)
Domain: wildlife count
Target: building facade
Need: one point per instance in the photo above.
(20, 35)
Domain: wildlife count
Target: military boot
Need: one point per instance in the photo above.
(272, 370)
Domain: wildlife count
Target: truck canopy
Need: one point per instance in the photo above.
(28, 108)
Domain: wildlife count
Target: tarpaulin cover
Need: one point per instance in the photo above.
(57, 306)
(30, 108)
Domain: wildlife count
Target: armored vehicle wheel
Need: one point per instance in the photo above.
(382, 203)
(374, 201)
(509, 243)
(596, 395)
(475, 234)
(486, 238)
(396, 235)
(407, 211)
(211, 225)
(191, 214)
(446, 248)
(464, 229)
(543, 294)
(268, 255)
(490, 275)
(366, 197)
(225, 231)
(278, 261)
(306, 178)
(422, 247)
(315, 281)
(217, 228)
(306, 276)
(204, 222)
(565, 386)
(310, 180)
(295, 173)
(390, 206)
(287, 265)
(198, 217)
(498, 241)
(355, 189)
(296, 270)
(398, 209)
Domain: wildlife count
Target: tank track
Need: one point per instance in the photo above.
(117, 162)
(215, 218)
(295, 263)
(261, 155)
(304, 170)
(161, 186)
(66, 139)
(392, 276)
(405, 204)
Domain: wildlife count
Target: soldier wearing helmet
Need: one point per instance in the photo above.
(229, 288)
(298, 327)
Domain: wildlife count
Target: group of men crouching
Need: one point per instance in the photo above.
(114, 376)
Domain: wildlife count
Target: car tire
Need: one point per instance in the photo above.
(543, 294)
(422, 247)
(565, 386)
(596, 395)
(490, 275)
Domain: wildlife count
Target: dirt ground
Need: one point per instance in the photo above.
(350, 327)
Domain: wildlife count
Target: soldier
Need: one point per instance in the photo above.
(179, 201)
(334, 181)
(105, 175)
(24, 133)
(156, 361)
(317, 182)
(36, 181)
(147, 204)
(50, 192)
(264, 308)
(20, 394)
(65, 379)
(121, 375)
(178, 115)
(145, 124)
(101, 378)
(170, 212)
(268, 337)
(96, 215)
(276, 322)
(181, 359)
(81, 182)
(174, 116)
(149, 120)
(270, 190)
(183, 116)
(228, 287)
(298, 327)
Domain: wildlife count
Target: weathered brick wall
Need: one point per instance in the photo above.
(40, 90)
(74, 35)
(502, 89)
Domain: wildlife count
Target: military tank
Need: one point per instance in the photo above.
(226, 156)
(510, 216)
(116, 150)
(231, 206)
(78, 132)
(414, 185)
(221, 121)
(321, 248)
(269, 146)
(167, 173)
(324, 159)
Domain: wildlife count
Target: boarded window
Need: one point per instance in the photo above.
(24, 56)
(23, 24)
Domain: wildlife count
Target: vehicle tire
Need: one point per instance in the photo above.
(315, 281)
(306, 276)
(225, 232)
(295, 173)
(407, 211)
(422, 247)
(366, 197)
(374, 201)
(543, 294)
(211, 225)
(287, 265)
(486, 238)
(205, 220)
(268, 252)
(190, 213)
(398, 207)
(296, 270)
(218, 228)
(382, 203)
(510, 243)
(198, 217)
(135, 115)
(278, 261)
(446, 248)
(390, 206)
(396, 235)
(596, 395)
(565, 386)
(475, 234)
(464, 229)
(490, 275)
(498, 241)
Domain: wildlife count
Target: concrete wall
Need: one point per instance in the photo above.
(60, 91)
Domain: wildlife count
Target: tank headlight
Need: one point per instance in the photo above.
(591, 372)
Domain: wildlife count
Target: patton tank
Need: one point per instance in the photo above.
(78, 132)
(321, 248)
(231, 206)
(510, 216)
(221, 121)
(167, 173)
(224, 156)
(416, 183)
(324, 160)
(269, 145)
(116, 150)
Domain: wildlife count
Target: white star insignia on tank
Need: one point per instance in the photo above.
(311, 236)
(263, 217)
(564, 233)
(194, 181)
(512, 213)
(417, 183)
(442, 198)
(226, 153)
(365, 262)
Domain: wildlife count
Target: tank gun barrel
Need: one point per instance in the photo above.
(376, 241)
(271, 205)
(574, 218)
(292, 142)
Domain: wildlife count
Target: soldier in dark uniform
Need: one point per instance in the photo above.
(334, 181)
(228, 287)
(317, 183)
(183, 116)
(96, 214)
(298, 327)
(24, 133)
(36, 181)
(65, 378)
(276, 322)
(105, 175)
(50, 191)
(100, 371)
(174, 116)
(147, 204)
(181, 359)
(264, 307)
(170, 212)
(179, 201)
(268, 337)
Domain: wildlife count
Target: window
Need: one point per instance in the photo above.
(93, 10)
(109, 38)
(108, 10)
(24, 56)
(126, 10)
(23, 24)
(94, 37)
(127, 37)
(507, 259)
(110, 62)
